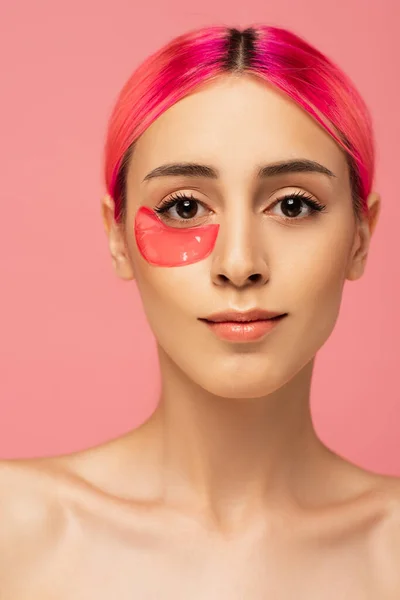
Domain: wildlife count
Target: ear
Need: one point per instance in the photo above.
(362, 239)
(116, 240)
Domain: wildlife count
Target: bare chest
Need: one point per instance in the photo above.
(103, 565)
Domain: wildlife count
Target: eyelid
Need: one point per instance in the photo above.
(286, 190)
(281, 193)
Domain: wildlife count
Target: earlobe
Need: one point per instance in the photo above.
(116, 241)
(365, 229)
(357, 264)
(119, 254)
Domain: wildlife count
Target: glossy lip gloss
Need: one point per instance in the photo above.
(243, 332)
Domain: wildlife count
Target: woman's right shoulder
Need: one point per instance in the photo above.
(32, 517)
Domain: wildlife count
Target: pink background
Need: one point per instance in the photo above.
(77, 359)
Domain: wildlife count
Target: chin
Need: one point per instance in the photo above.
(241, 384)
(250, 377)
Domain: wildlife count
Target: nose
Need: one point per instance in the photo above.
(239, 256)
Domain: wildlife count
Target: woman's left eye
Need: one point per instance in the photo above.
(293, 203)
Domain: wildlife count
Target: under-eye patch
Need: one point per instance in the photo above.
(165, 246)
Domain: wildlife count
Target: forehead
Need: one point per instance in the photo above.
(234, 123)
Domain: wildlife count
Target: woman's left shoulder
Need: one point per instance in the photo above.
(387, 533)
(388, 487)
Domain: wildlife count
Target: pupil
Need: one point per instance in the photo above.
(186, 209)
(289, 203)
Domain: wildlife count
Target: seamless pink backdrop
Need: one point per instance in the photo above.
(77, 358)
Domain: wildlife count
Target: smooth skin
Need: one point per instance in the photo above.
(226, 492)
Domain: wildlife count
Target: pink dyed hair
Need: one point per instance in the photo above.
(276, 55)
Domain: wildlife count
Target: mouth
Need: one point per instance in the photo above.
(245, 326)
(254, 314)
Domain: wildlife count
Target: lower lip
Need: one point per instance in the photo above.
(235, 331)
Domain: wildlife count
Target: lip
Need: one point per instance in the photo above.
(246, 326)
(254, 314)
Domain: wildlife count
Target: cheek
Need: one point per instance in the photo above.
(165, 246)
(318, 288)
(168, 295)
(320, 263)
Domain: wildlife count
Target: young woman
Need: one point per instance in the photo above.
(239, 171)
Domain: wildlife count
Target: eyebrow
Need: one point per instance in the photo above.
(188, 169)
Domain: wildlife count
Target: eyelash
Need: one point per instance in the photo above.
(314, 205)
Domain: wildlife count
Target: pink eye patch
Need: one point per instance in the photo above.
(165, 246)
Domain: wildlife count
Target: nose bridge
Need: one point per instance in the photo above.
(239, 254)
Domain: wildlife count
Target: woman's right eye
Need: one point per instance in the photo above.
(181, 208)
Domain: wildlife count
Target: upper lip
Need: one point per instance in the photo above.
(255, 314)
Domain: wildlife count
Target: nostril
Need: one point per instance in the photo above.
(254, 278)
(223, 277)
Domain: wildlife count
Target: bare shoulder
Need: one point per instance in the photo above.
(26, 490)
(386, 536)
(389, 487)
(39, 497)
(32, 516)
(384, 494)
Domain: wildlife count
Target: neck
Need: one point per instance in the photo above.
(232, 456)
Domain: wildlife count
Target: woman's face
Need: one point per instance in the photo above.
(270, 253)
